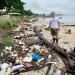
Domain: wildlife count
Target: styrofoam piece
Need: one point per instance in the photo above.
(37, 46)
(27, 59)
(49, 56)
(8, 48)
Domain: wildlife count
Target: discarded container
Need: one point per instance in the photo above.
(41, 59)
(68, 31)
(17, 67)
(36, 57)
(4, 68)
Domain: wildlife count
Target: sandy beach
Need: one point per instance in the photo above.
(37, 37)
(66, 41)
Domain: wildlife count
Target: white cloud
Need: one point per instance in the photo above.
(46, 6)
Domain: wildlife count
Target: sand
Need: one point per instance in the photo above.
(69, 38)
(67, 41)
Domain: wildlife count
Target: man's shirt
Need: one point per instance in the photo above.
(54, 23)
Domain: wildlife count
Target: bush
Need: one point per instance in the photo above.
(10, 22)
(15, 20)
(7, 39)
(5, 35)
(2, 23)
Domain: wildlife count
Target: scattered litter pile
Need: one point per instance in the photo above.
(27, 53)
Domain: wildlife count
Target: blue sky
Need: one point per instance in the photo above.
(46, 6)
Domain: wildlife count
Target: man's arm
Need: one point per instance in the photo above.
(49, 26)
(58, 25)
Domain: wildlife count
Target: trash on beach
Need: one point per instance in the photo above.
(27, 52)
(17, 67)
(4, 68)
(8, 48)
(27, 59)
(28, 65)
(67, 31)
(36, 57)
(65, 42)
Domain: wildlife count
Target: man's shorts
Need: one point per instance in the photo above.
(54, 31)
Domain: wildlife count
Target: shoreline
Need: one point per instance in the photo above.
(68, 25)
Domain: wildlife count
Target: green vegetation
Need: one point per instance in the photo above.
(9, 22)
(8, 4)
(28, 12)
(6, 25)
(14, 6)
(7, 39)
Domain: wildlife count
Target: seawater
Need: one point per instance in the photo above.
(66, 19)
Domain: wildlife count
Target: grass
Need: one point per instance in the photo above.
(9, 22)
(7, 39)
(5, 35)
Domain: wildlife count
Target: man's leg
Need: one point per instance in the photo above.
(56, 39)
(56, 34)
(53, 39)
(53, 33)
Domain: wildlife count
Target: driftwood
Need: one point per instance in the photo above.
(70, 67)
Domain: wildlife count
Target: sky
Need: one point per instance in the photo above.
(47, 6)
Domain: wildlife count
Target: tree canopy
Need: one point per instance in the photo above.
(8, 4)
(14, 6)
(28, 12)
(2, 4)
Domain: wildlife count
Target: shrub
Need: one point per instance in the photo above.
(7, 39)
(10, 22)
